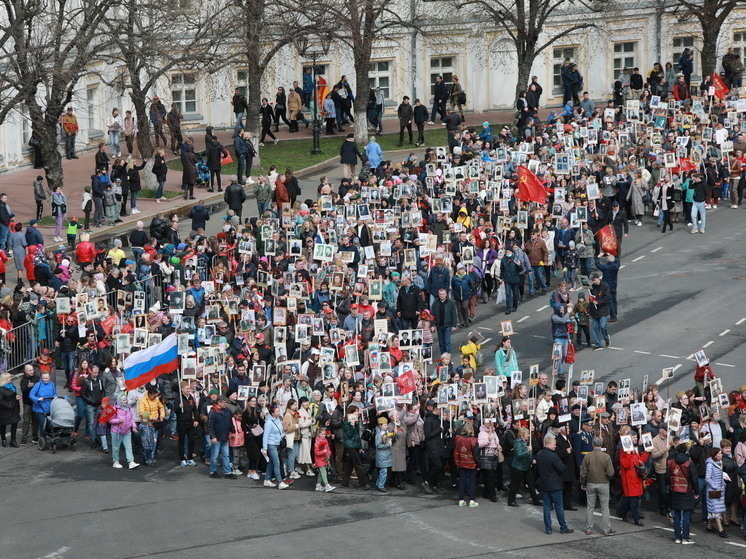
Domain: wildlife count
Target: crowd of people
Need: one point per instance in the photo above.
(316, 339)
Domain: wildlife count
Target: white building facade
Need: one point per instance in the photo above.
(634, 34)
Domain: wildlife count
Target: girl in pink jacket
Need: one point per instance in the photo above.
(122, 426)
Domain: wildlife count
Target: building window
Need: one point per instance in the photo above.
(25, 125)
(625, 56)
(559, 55)
(739, 43)
(242, 82)
(320, 68)
(445, 67)
(184, 92)
(380, 76)
(681, 43)
(91, 95)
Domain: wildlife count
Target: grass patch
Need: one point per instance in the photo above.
(49, 221)
(149, 193)
(297, 153)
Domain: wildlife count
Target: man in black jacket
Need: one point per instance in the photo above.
(433, 447)
(440, 95)
(92, 393)
(420, 118)
(220, 426)
(187, 419)
(409, 303)
(67, 342)
(200, 215)
(405, 112)
(235, 196)
(240, 108)
(599, 311)
(550, 469)
(159, 227)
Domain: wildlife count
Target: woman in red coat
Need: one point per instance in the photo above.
(28, 263)
(632, 482)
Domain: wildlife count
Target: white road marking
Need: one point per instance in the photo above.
(639, 258)
(724, 365)
(622, 266)
(656, 249)
(740, 321)
(708, 344)
(542, 308)
(56, 554)
(734, 543)
(677, 367)
(724, 332)
(540, 337)
(672, 530)
(486, 328)
(643, 352)
(522, 319)
(596, 513)
(669, 356)
(690, 356)
(616, 348)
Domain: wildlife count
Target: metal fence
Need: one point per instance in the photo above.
(24, 343)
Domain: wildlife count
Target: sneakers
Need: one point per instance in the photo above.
(117, 466)
(253, 475)
(310, 473)
(283, 485)
(294, 475)
(473, 504)
(319, 487)
(677, 541)
(184, 464)
(462, 503)
(638, 223)
(268, 483)
(430, 122)
(231, 476)
(329, 488)
(427, 488)
(191, 463)
(237, 472)
(135, 211)
(276, 140)
(702, 231)
(695, 231)
(734, 206)
(261, 144)
(687, 542)
(132, 465)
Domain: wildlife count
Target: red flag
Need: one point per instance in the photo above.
(685, 164)
(406, 382)
(530, 188)
(721, 90)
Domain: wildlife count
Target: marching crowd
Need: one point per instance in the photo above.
(315, 339)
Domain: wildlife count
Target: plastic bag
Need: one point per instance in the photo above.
(607, 240)
(501, 294)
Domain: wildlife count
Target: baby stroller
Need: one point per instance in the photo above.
(59, 427)
(203, 173)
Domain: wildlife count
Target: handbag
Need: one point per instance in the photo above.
(224, 160)
(257, 430)
(641, 470)
(657, 211)
(714, 494)
(570, 356)
(283, 443)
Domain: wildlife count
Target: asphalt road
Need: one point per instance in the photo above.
(678, 293)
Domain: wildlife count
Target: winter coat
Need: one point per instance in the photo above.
(463, 286)
(199, 215)
(415, 428)
(631, 481)
(383, 449)
(522, 456)
(489, 447)
(160, 170)
(438, 278)
(42, 390)
(715, 482)
(189, 161)
(510, 272)
(409, 302)
(405, 114)
(10, 407)
(322, 452)
(122, 422)
(505, 365)
(432, 432)
(374, 153)
(349, 153)
(220, 424)
(234, 196)
(215, 152)
(551, 470)
(600, 307)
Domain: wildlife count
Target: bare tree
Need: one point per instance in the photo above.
(263, 29)
(51, 45)
(360, 23)
(524, 21)
(711, 15)
(150, 39)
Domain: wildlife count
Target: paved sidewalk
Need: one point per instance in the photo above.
(77, 175)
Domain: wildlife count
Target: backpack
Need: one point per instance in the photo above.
(479, 358)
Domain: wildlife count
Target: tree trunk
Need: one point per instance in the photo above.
(45, 129)
(362, 92)
(253, 121)
(709, 49)
(524, 73)
(144, 143)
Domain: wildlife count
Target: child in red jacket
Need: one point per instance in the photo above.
(322, 453)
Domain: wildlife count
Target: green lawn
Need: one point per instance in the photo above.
(150, 193)
(297, 153)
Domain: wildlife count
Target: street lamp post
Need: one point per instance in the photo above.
(301, 44)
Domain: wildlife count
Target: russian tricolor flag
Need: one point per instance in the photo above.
(143, 366)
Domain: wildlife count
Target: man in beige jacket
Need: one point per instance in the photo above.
(596, 472)
(660, 456)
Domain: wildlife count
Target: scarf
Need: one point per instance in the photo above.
(10, 387)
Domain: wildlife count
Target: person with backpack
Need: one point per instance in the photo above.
(683, 483)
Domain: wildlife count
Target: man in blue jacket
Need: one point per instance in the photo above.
(41, 396)
(510, 274)
(610, 272)
(220, 426)
(439, 278)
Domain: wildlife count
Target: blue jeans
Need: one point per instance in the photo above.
(4, 229)
(598, 328)
(444, 339)
(220, 449)
(382, 475)
(553, 498)
(274, 466)
(467, 484)
(241, 166)
(681, 520)
(137, 253)
(114, 141)
(564, 342)
(133, 200)
(68, 358)
(698, 208)
(159, 190)
(612, 303)
(80, 413)
(90, 413)
(292, 452)
(262, 206)
(239, 122)
(512, 295)
(69, 145)
(41, 418)
(537, 279)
